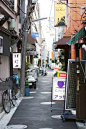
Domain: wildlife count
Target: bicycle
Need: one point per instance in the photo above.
(8, 96)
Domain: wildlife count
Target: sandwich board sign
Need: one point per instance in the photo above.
(58, 92)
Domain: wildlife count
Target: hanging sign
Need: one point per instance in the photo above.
(35, 34)
(16, 60)
(1, 44)
(60, 13)
(58, 92)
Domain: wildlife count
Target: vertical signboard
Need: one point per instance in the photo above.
(16, 60)
(58, 88)
(52, 55)
(1, 44)
(35, 61)
(60, 13)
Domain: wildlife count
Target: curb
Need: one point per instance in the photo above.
(2, 114)
(81, 125)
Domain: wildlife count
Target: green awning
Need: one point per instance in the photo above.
(81, 34)
(69, 42)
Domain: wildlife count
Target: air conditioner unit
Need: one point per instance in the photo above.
(34, 1)
(1, 44)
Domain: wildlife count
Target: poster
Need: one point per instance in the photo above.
(16, 60)
(58, 92)
(60, 13)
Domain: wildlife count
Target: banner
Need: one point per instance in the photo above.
(60, 13)
(52, 55)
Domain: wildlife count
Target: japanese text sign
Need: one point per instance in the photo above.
(16, 60)
(58, 88)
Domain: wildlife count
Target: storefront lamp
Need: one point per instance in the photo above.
(85, 28)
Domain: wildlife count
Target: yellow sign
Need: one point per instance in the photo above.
(52, 55)
(60, 13)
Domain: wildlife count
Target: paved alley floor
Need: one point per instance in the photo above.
(34, 111)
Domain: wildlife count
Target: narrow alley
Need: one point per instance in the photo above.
(34, 111)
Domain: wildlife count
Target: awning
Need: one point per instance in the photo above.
(30, 39)
(31, 53)
(81, 34)
(62, 42)
(30, 47)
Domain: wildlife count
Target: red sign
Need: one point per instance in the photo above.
(62, 74)
(55, 68)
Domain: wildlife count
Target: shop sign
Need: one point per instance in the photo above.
(1, 44)
(35, 34)
(58, 92)
(60, 13)
(16, 60)
(62, 74)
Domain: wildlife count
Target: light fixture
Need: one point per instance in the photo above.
(72, 33)
(85, 28)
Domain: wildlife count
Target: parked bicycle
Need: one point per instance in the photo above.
(8, 96)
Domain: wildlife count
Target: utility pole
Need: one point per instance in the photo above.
(25, 24)
(23, 53)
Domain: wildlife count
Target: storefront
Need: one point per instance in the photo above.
(79, 41)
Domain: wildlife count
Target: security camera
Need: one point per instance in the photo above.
(2, 17)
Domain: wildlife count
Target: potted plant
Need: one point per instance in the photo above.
(26, 82)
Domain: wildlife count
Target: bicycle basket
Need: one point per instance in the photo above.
(8, 84)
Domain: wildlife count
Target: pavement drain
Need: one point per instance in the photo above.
(16, 127)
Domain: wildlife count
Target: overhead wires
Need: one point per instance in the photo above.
(69, 7)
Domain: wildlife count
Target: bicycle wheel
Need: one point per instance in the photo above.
(6, 101)
(13, 100)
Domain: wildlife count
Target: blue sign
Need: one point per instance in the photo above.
(35, 34)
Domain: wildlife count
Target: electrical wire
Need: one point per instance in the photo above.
(21, 9)
(69, 7)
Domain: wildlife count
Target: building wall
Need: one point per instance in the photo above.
(4, 72)
(4, 67)
(74, 20)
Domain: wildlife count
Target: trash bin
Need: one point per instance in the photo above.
(27, 91)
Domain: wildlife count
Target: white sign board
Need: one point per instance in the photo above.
(16, 60)
(1, 44)
(56, 54)
(58, 92)
(35, 61)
